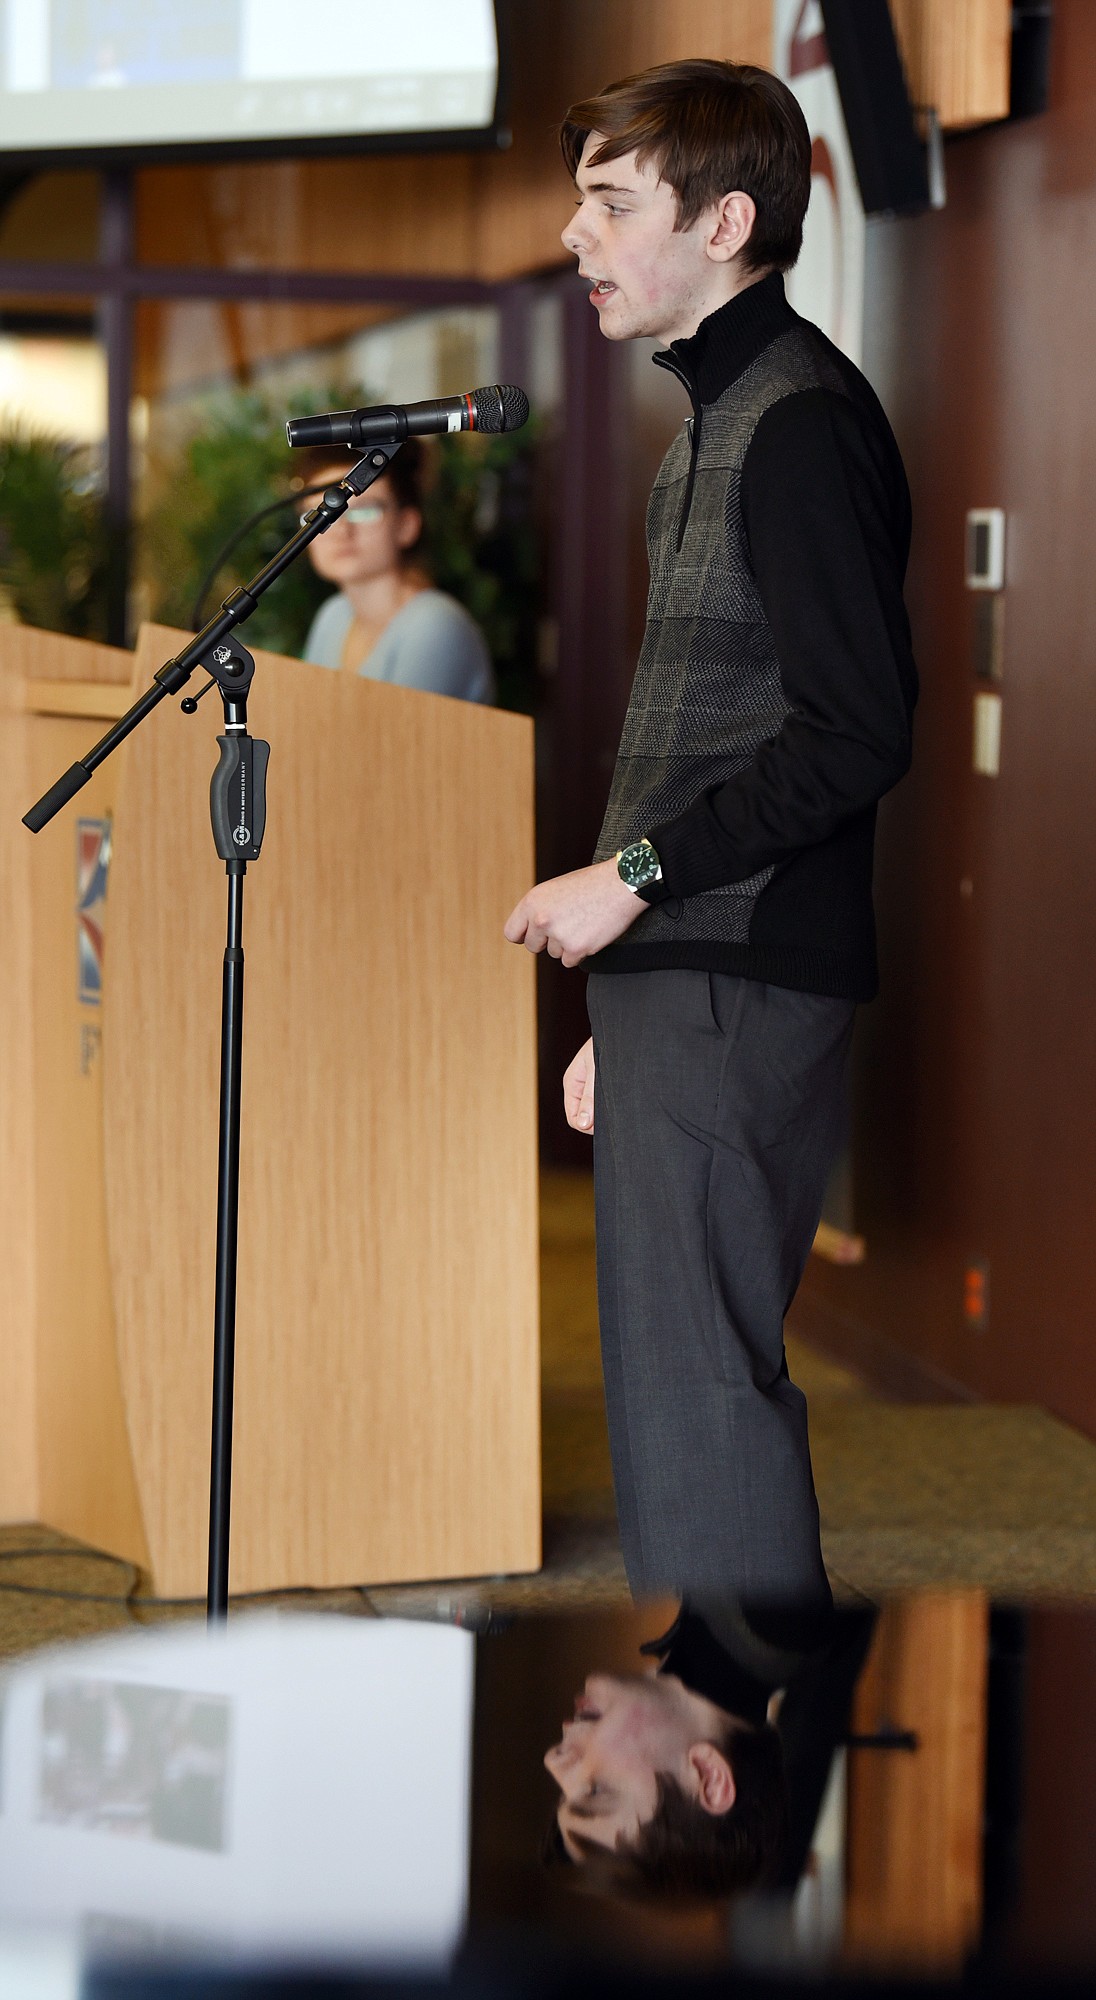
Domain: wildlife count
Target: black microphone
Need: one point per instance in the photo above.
(495, 409)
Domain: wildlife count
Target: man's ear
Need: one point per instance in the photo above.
(716, 1790)
(732, 226)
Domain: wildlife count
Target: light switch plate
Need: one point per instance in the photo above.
(987, 734)
(986, 548)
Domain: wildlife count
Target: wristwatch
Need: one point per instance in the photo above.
(638, 866)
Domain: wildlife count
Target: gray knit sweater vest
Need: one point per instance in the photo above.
(707, 692)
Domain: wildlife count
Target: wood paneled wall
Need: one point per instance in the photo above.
(408, 213)
(957, 57)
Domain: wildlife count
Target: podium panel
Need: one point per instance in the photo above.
(64, 1447)
(387, 1378)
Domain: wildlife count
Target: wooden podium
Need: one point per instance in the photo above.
(387, 1405)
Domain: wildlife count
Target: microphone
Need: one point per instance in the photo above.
(495, 409)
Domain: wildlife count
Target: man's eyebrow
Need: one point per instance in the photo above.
(605, 187)
(579, 1810)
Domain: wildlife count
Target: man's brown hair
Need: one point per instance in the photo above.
(684, 1853)
(709, 128)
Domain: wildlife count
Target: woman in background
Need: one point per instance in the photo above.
(386, 620)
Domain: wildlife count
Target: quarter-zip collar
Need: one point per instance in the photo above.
(724, 344)
(721, 349)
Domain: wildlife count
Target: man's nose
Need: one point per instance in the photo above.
(563, 1754)
(575, 236)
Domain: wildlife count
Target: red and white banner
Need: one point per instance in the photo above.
(827, 284)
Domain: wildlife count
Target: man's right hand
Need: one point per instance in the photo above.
(578, 1089)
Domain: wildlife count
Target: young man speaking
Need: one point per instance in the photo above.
(726, 921)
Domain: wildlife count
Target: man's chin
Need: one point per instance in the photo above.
(616, 328)
(620, 325)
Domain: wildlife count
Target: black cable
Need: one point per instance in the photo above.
(197, 616)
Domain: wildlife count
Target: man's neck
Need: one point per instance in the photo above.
(705, 1720)
(737, 281)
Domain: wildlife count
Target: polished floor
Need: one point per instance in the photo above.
(913, 1496)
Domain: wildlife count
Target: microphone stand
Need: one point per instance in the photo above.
(238, 535)
(238, 813)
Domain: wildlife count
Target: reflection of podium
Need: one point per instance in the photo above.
(387, 1386)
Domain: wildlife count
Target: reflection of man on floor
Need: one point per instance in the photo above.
(706, 1777)
(727, 919)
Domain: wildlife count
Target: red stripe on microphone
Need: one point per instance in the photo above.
(471, 410)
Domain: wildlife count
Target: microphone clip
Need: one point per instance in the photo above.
(373, 466)
(336, 498)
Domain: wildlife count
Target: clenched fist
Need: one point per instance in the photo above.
(574, 915)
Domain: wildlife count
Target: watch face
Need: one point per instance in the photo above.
(638, 864)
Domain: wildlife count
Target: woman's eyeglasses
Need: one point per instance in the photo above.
(360, 513)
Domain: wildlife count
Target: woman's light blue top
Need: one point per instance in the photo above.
(432, 643)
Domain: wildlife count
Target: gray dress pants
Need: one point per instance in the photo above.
(718, 1110)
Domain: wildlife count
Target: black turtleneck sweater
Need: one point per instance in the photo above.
(738, 1655)
(773, 697)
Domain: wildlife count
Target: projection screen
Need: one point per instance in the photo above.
(147, 76)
